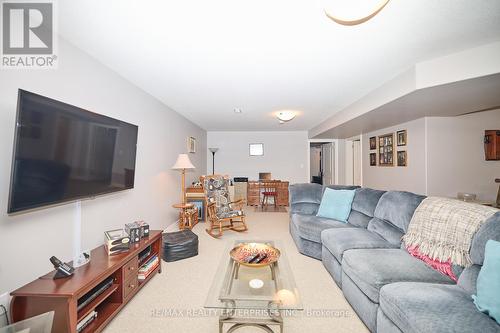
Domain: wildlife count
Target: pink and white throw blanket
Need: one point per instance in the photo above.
(441, 230)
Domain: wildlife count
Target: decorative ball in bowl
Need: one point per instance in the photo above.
(255, 254)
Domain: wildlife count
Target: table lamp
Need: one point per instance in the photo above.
(182, 164)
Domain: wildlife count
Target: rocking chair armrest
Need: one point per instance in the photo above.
(238, 202)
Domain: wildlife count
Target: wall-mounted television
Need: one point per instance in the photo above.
(64, 153)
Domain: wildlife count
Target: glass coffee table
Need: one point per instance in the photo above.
(253, 296)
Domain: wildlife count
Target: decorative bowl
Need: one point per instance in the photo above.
(246, 251)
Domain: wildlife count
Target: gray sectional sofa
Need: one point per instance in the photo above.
(390, 290)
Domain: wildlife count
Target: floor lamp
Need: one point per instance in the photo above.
(182, 164)
(213, 150)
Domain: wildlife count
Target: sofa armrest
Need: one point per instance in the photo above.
(305, 198)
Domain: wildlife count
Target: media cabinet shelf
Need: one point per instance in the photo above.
(61, 295)
(96, 302)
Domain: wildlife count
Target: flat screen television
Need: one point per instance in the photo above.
(64, 153)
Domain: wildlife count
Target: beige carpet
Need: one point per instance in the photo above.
(173, 301)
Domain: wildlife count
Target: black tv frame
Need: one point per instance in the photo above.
(10, 209)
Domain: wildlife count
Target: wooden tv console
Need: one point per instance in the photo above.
(46, 294)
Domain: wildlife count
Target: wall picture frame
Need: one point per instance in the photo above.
(256, 149)
(402, 138)
(191, 145)
(402, 158)
(386, 150)
(373, 143)
(373, 159)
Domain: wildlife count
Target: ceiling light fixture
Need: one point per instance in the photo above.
(358, 20)
(285, 116)
(237, 110)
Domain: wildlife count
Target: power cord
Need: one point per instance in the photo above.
(6, 314)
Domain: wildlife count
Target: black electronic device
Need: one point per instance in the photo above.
(64, 153)
(144, 253)
(63, 270)
(241, 179)
(92, 294)
(86, 321)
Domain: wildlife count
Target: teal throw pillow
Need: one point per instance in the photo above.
(487, 299)
(336, 204)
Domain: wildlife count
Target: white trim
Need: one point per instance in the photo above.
(335, 164)
(426, 154)
(361, 159)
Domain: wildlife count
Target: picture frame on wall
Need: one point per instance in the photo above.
(191, 145)
(373, 159)
(256, 149)
(386, 150)
(402, 158)
(373, 143)
(402, 138)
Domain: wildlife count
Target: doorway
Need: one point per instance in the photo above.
(322, 163)
(353, 161)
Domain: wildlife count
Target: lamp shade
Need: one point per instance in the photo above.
(183, 162)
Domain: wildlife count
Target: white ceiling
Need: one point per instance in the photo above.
(204, 58)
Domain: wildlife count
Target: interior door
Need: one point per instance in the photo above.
(327, 163)
(356, 163)
(315, 164)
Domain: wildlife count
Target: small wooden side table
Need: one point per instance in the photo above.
(188, 215)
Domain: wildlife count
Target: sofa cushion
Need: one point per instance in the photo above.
(311, 226)
(339, 240)
(489, 230)
(366, 200)
(336, 204)
(386, 230)
(423, 307)
(305, 193)
(340, 187)
(358, 219)
(397, 208)
(373, 268)
(468, 279)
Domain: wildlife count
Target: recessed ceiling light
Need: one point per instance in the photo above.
(237, 110)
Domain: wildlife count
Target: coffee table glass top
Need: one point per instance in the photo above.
(272, 286)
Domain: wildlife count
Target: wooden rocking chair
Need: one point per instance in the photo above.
(221, 213)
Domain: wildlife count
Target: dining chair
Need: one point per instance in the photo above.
(269, 190)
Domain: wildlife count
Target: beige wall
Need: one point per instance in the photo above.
(28, 240)
(445, 156)
(285, 154)
(411, 178)
(456, 155)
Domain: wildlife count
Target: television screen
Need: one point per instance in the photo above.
(64, 153)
